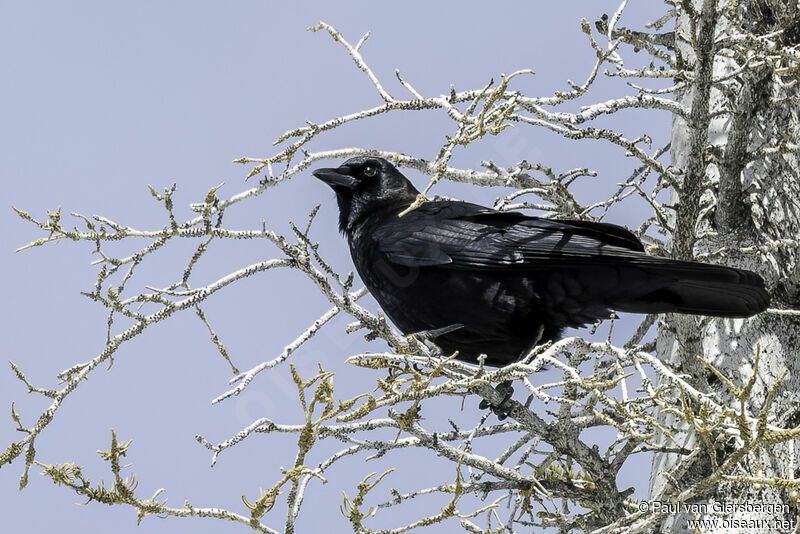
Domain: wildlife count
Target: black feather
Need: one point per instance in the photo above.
(504, 276)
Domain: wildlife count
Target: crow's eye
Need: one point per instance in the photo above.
(370, 171)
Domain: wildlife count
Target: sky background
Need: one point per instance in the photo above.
(100, 100)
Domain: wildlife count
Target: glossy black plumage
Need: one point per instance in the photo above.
(504, 276)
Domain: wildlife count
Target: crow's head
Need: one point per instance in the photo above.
(365, 184)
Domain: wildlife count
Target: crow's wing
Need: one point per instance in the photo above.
(595, 262)
(459, 235)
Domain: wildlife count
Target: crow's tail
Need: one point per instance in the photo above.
(688, 287)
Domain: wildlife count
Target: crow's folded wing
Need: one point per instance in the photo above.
(579, 265)
(582, 267)
(459, 235)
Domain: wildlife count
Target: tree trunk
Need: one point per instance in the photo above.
(739, 192)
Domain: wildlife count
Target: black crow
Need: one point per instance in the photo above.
(496, 283)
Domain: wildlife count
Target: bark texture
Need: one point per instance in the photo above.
(740, 194)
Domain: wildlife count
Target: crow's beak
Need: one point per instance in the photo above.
(336, 177)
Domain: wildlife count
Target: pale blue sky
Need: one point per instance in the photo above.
(99, 100)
